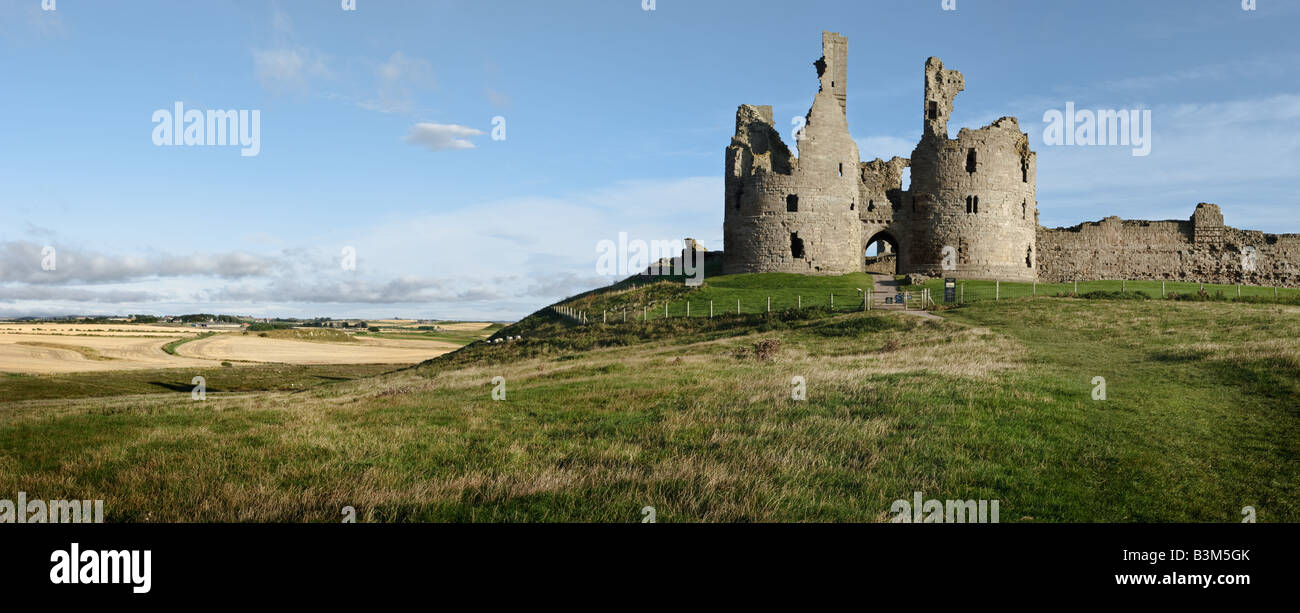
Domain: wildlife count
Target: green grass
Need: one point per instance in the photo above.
(647, 300)
(171, 347)
(22, 387)
(787, 291)
(974, 290)
(993, 402)
(459, 337)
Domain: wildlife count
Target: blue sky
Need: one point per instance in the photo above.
(616, 121)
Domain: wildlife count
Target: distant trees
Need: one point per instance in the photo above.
(204, 317)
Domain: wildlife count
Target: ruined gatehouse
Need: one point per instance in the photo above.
(970, 212)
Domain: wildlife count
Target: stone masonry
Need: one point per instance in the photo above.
(1200, 249)
(970, 212)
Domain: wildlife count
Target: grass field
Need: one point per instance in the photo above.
(16, 388)
(458, 334)
(972, 291)
(790, 291)
(994, 401)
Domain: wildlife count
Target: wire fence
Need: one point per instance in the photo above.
(976, 291)
(932, 294)
(777, 303)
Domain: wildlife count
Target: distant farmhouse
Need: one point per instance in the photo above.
(970, 212)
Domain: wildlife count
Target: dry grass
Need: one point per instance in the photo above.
(994, 406)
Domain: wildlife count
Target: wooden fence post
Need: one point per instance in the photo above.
(832, 301)
(769, 304)
(710, 309)
(997, 290)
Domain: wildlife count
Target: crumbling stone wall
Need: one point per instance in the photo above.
(882, 198)
(787, 214)
(975, 193)
(1200, 249)
(817, 213)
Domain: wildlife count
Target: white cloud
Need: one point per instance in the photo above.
(21, 262)
(441, 137)
(1235, 153)
(288, 70)
(493, 260)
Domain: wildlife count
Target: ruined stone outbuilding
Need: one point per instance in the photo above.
(971, 210)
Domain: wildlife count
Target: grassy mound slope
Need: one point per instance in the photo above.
(696, 418)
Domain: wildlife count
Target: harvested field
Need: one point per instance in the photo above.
(64, 353)
(252, 348)
(99, 330)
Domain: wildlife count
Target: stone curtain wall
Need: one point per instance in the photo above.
(1200, 250)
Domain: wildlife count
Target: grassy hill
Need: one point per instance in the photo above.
(695, 417)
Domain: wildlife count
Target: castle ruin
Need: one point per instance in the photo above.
(970, 211)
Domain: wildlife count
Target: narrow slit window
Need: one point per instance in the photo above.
(970, 161)
(933, 111)
(792, 203)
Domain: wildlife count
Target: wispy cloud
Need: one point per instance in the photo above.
(288, 70)
(21, 261)
(24, 21)
(399, 78)
(442, 137)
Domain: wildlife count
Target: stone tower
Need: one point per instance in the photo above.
(974, 194)
(970, 212)
(971, 203)
(796, 214)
